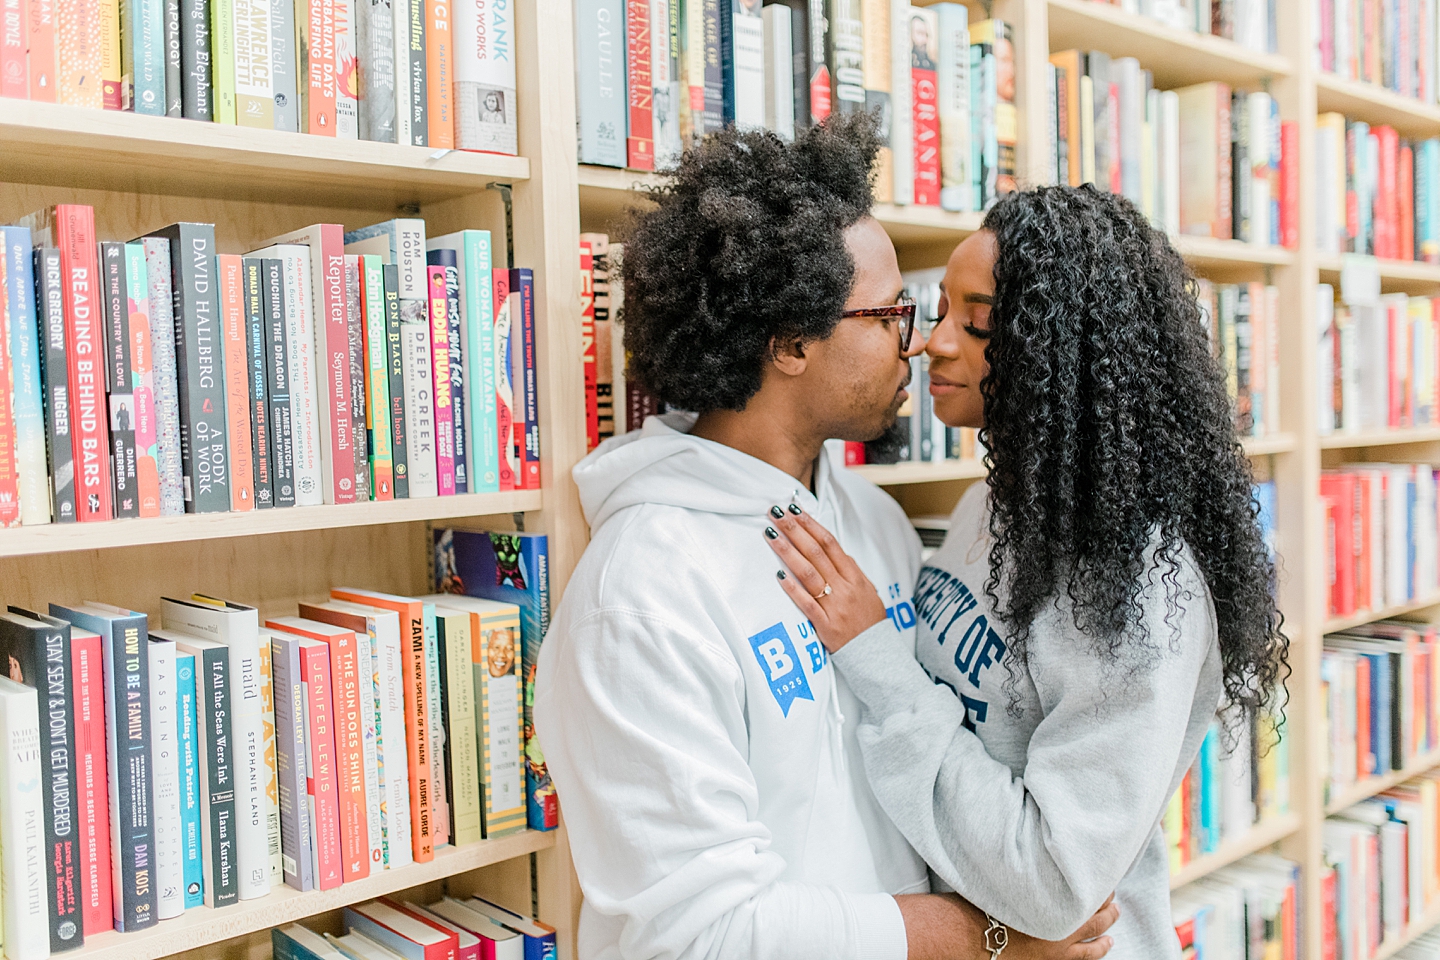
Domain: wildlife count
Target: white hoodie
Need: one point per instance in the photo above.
(713, 789)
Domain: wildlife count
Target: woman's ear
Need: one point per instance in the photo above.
(789, 356)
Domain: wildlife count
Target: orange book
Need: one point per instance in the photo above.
(439, 74)
(237, 390)
(349, 736)
(417, 737)
(1069, 61)
(42, 79)
(77, 33)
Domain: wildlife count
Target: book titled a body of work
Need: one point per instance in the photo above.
(512, 568)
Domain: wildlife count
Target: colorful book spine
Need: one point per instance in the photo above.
(419, 410)
(77, 55)
(347, 71)
(435, 712)
(321, 783)
(93, 802)
(440, 384)
(22, 839)
(121, 396)
(355, 344)
(222, 58)
(9, 467)
(256, 333)
(523, 280)
(925, 110)
(640, 141)
(296, 840)
(278, 401)
(454, 343)
(55, 382)
(395, 374)
(478, 296)
(188, 732)
(377, 380)
(198, 96)
(41, 26)
(165, 762)
(219, 842)
(419, 79)
(268, 770)
(142, 56)
(14, 70)
(485, 117)
(462, 748)
(505, 392)
(163, 375)
(316, 45)
(28, 403)
(141, 379)
(952, 100)
(254, 65)
(112, 92)
(439, 75)
(587, 337)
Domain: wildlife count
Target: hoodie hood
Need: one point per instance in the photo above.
(663, 464)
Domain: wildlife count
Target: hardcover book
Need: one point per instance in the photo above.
(600, 81)
(142, 381)
(924, 25)
(485, 109)
(640, 142)
(278, 401)
(230, 273)
(376, 22)
(165, 763)
(92, 819)
(399, 932)
(55, 383)
(254, 65)
(197, 99)
(22, 840)
(256, 336)
(667, 85)
(121, 398)
(449, 261)
(28, 406)
(742, 60)
(167, 390)
(296, 841)
(142, 56)
(321, 784)
(188, 728)
(477, 350)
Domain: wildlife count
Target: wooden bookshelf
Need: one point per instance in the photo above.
(1262, 836)
(200, 927)
(1330, 266)
(1378, 438)
(1393, 945)
(1375, 104)
(892, 474)
(1337, 624)
(1370, 786)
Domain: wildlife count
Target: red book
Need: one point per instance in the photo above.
(92, 807)
(1338, 488)
(588, 351)
(924, 93)
(1328, 933)
(321, 784)
(1395, 322)
(417, 734)
(348, 737)
(854, 453)
(440, 381)
(320, 55)
(1387, 215)
(1363, 565)
(231, 301)
(1405, 203)
(640, 144)
(42, 49)
(439, 75)
(9, 467)
(1289, 184)
(14, 34)
(469, 948)
(400, 932)
(505, 392)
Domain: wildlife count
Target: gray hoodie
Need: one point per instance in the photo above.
(1035, 809)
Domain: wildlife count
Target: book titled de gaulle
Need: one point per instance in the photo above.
(512, 568)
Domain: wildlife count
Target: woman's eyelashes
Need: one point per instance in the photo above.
(979, 333)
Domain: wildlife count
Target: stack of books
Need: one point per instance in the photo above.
(1387, 44)
(1248, 909)
(159, 376)
(399, 929)
(1375, 191)
(1381, 546)
(406, 72)
(219, 754)
(1244, 324)
(1377, 367)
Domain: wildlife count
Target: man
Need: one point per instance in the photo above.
(696, 732)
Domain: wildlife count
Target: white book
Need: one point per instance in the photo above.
(304, 378)
(1259, 172)
(902, 121)
(1397, 561)
(952, 77)
(254, 75)
(779, 77)
(165, 764)
(419, 410)
(485, 117)
(404, 81)
(238, 628)
(665, 85)
(1170, 148)
(22, 831)
(369, 732)
(1235, 791)
(1325, 359)
(748, 58)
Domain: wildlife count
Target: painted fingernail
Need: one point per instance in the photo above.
(779, 574)
(795, 509)
(772, 533)
(776, 512)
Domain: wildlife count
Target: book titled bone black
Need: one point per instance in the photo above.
(50, 308)
(200, 366)
(38, 650)
(217, 769)
(395, 365)
(124, 640)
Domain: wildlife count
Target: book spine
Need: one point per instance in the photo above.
(377, 71)
(256, 335)
(14, 70)
(349, 756)
(600, 82)
(484, 80)
(587, 337)
(141, 376)
(222, 58)
(332, 339)
(77, 54)
(355, 341)
(93, 801)
(9, 467)
(304, 397)
(845, 53)
(479, 315)
(277, 385)
(435, 714)
(419, 81)
(85, 352)
(461, 731)
(142, 56)
(458, 410)
(315, 20)
(714, 109)
(22, 839)
(290, 750)
(188, 732)
(500, 720)
(285, 69)
(952, 102)
(377, 381)
(40, 26)
(347, 71)
(524, 280)
(121, 397)
(417, 735)
(217, 778)
(640, 142)
(111, 87)
(268, 770)
(167, 391)
(174, 62)
(395, 755)
(165, 762)
(254, 64)
(875, 15)
(132, 827)
(400, 31)
(321, 783)
(367, 658)
(439, 74)
(925, 121)
(198, 97)
(56, 699)
(440, 384)
(395, 373)
(56, 381)
(505, 394)
(29, 405)
(1290, 185)
(419, 410)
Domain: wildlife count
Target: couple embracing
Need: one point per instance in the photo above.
(776, 735)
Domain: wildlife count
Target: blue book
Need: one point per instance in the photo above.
(1209, 790)
(25, 359)
(300, 943)
(1410, 547)
(187, 718)
(539, 937)
(601, 102)
(512, 568)
(142, 55)
(1381, 708)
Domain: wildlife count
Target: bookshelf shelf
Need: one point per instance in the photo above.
(1375, 104)
(1336, 624)
(201, 926)
(1262, 835)
(1373, 785)
(49, 143)
(1209, 253)
(1388, 948)
(892, 474)
(64, 537)
(1176, 57)
(1330, 266)
(1265, 446)
(1379, 438)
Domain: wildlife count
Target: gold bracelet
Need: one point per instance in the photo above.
(997, 937)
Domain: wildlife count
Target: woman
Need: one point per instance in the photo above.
(1094, 601)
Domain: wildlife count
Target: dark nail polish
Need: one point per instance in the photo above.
(795, 509)
(776, 512)
(772, 533)
(779, 574)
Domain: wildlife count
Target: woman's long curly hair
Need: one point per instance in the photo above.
(1107, 424)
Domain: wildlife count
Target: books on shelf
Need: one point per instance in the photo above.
(1391, 45)
(1381, 539)
(1376, 367)
(1251, 908)
(396, 929)
(179, 379)
(240, 63)
(1375, 191)
(1243, 321)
